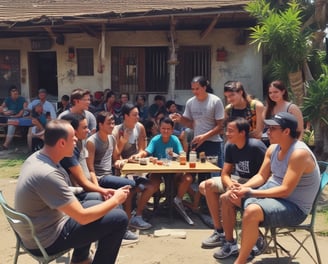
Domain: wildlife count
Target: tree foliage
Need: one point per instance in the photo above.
(279, 34)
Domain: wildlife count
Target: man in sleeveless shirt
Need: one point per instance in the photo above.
(280, 194)
(131, 141)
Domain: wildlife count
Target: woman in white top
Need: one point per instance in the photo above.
(278, 101)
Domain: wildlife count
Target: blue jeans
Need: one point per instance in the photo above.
(108, 231)
(86, 196)
(115, 182)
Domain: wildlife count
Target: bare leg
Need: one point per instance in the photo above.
(150, 189)
(210, 191)
(252, 217)
(186, 180)
(228, 216)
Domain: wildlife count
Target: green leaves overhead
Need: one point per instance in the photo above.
(279, 33)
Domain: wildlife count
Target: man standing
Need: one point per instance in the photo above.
(286, 186)
(204, 113)
(44, 195)
(239, 162)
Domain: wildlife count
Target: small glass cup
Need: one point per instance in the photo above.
(183, 158)
(192, 164)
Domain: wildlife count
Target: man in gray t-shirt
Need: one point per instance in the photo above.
(204, 113)
(60, 221)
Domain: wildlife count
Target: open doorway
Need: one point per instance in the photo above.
(43, 74)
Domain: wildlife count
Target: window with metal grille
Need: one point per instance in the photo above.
(136, 70)
(85, 65)
(156, 70)
(193, 61)
(145, 69)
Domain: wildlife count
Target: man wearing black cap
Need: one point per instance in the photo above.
(280, 194)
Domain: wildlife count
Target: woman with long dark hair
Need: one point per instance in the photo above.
(242, 105)
(278, 101)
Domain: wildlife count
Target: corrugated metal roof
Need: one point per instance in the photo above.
(26, 10)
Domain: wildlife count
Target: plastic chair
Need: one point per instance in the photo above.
(307, 226)
(15, 219)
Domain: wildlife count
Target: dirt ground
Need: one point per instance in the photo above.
(150, 249)
(169, 249)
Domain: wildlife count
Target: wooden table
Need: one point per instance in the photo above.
(171, 169)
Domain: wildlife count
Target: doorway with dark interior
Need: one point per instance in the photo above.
(43, 74)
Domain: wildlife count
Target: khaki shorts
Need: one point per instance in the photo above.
(218, 182)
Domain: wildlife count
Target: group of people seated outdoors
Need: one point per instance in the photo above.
(75, 184)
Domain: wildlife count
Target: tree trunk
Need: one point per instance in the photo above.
(297, 86)
(321, 140)
(320, 13)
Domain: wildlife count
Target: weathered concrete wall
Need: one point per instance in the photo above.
(243, 62)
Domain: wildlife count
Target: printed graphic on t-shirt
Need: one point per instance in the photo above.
(242, 167)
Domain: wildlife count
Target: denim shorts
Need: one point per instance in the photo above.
(278, 212)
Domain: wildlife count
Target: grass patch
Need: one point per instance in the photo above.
(325, 213)
(10, 168)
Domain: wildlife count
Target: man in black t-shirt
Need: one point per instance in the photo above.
(242, 159)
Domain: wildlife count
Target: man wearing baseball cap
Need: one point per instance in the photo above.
(280, 194)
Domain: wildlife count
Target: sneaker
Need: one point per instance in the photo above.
(138, 223)
(129, 238)
(228, 249)
(215, 240)
(181, 210)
